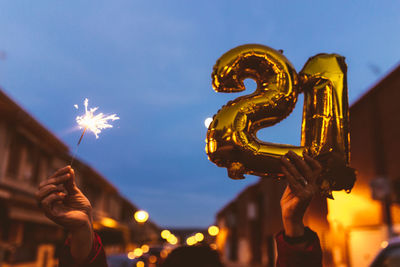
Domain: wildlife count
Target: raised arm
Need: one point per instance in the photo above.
(63, 202)
(298, 245)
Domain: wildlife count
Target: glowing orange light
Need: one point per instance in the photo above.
(222, 237)
(152, 259)
(140, 264)
(353, 209)
(164, 253)
(145, 248)
(108, 222)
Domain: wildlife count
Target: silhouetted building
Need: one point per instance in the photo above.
(29, 153)
(353, 227)
(248, 224)
(358, 222)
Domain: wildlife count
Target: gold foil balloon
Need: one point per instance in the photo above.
(231, 137)
(325, 127)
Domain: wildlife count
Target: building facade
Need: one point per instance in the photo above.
(28, 154)
(360, 221)
(249, 223)
(352, 227)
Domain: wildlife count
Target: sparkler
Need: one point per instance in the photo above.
(92, 122)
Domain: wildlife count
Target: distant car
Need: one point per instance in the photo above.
(389, 256)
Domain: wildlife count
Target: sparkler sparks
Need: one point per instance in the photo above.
(92, 122)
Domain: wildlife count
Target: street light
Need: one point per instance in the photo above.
(213, 230)
(199, 237)
(165, 234)
(191, 241)
(173, 240)
(141, 216)
(138, 252)
(145, 248)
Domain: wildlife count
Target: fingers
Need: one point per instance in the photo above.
(299, 171)
(70, 184)
(301, 165)
(47, 190)
(292, 182)
(61, 171)
(290, 167)
(55, 180)
(65, 176)
(49, 201)
(315, 165)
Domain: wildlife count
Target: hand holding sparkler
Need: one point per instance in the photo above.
(63, 203)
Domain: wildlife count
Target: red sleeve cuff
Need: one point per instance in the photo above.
(96, 257)
(307, 254)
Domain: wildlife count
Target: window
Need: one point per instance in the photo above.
(14, 157)
(30, 170)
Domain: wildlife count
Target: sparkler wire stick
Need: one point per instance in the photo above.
(77, 146)
(80, 139)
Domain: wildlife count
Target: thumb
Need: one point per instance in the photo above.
(70, 184)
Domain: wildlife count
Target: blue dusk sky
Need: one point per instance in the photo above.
(150, 62)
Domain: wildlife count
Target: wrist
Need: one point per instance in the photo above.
(81, 241)
(293, 228)
(84, 224)
(297, 240)
(82, 229)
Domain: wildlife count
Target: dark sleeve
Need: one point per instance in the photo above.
(294, 255)
(96, 258)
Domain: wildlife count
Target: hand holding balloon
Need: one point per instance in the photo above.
(302, 175)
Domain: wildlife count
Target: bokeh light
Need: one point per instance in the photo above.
(191, 241)
(164, 253)
(207, 122)
(152, 259)
(213, 230)
(165, 234)
(131, 255)
(108, 222)
(173, 240)
(145, 248)
(199, 237)
(141, 216)
(138, 252)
